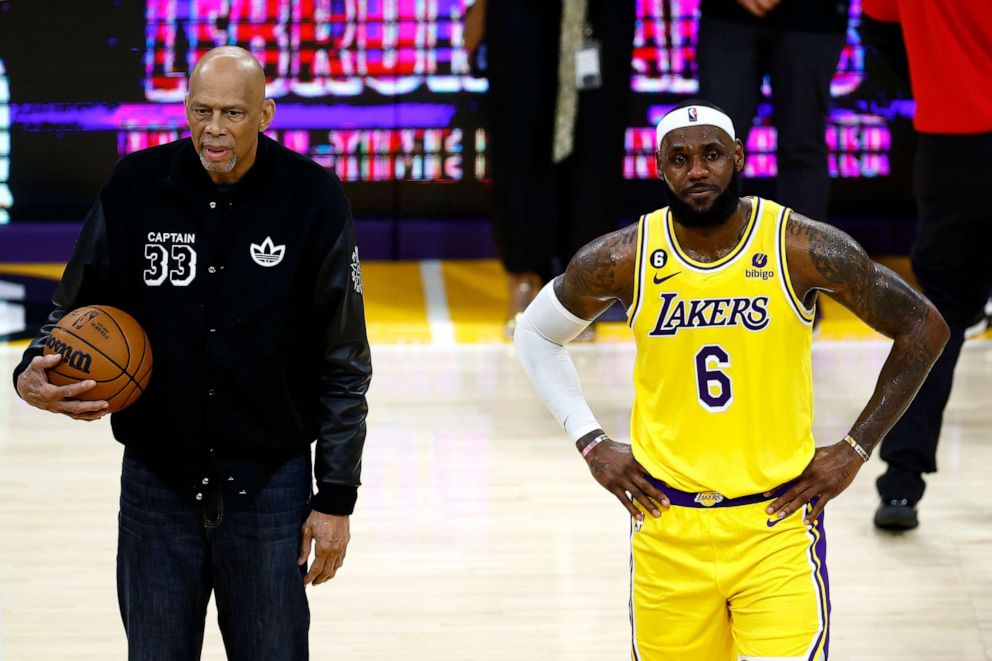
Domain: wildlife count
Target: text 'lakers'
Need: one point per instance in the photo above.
(676, 314)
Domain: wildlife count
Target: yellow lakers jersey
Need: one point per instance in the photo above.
(723, 388)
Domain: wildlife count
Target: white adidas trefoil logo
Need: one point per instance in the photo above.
(267, 254)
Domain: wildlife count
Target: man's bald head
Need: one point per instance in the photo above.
(226, 110)
(231, 63)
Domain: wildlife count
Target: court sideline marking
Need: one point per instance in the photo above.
(436, 299)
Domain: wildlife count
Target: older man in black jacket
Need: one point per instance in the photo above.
(238, 258)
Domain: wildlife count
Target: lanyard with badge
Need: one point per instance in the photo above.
(588, 73)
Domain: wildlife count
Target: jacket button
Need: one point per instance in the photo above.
(211, 392)
(213, 205)
(199, 496)
(206, 481)
(212, 269)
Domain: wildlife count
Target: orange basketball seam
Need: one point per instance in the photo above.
(119, 391)
(141, 361)
(130, 395)
(89, 378)
(141, 377)
(123, 334)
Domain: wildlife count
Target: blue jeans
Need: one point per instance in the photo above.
(172, 552)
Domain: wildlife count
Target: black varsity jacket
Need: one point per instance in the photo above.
(252, 301)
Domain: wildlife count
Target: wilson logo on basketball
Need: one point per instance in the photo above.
(78, 360)
(267, 253)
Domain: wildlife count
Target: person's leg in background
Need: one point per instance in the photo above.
(262, 605)
(163, 573)
(802, 65)
(729, 55)
(523, 74)
(590, 179)
(951, 258)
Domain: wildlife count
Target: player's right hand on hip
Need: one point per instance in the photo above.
(613, 465)
(33, 387)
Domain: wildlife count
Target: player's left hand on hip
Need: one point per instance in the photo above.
(330, 535)
(832, 470)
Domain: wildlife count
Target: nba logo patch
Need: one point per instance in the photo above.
(693, 115)
(759, 260)
(708, 498)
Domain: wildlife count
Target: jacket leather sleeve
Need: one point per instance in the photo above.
(345, 373)
(83, 280)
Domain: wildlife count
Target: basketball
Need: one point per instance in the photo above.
(106, 345)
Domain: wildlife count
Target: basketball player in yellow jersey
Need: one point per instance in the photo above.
(724, 486)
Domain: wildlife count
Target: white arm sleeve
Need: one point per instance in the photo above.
(542, 331)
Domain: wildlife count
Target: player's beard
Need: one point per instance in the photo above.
(716, 214)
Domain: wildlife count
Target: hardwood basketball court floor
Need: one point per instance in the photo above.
(479, 534)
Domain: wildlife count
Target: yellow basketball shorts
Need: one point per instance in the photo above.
(715, 579)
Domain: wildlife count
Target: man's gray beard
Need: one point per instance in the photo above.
(222, 168)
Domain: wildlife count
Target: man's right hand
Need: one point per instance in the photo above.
(613, 465)
(33, 387)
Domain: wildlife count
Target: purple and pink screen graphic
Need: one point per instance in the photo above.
(314, 48)
(377, 89)
(664, 62)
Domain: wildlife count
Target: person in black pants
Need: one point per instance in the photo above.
(953, 247)
(545, 212)
(796, 42)
(950, 259)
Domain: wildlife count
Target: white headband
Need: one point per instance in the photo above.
(693, 116)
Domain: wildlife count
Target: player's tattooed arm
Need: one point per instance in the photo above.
(600, 272)
(821, 258)
(830, 261)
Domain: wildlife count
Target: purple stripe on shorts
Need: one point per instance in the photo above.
(819, 534)
(821, 554)
(686, 499)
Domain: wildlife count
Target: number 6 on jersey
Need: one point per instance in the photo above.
(712, 384)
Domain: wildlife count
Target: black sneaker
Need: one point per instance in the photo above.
(896, 515)
(977, 327)
(981, 323)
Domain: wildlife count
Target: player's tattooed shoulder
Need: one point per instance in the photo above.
(604, 263)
